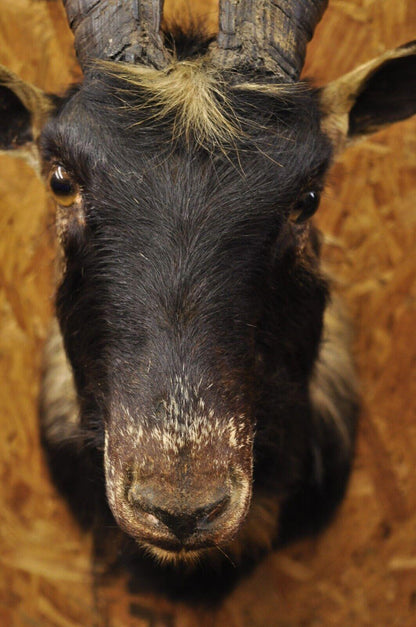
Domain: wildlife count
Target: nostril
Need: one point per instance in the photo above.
(214, 511)
(151, 508)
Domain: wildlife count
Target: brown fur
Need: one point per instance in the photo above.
(334, 382)
(60, 415)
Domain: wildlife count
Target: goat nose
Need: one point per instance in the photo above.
(182, 523)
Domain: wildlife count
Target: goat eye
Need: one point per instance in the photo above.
(63, 187)
(305, 207)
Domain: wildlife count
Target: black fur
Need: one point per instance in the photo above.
(188, 257)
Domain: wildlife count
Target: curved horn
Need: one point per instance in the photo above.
(268, 35)
(126, 31)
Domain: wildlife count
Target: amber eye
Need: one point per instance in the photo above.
(305, 207)
(63, 187)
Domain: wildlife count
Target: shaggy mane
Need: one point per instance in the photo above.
(192, 91)
(197, 95)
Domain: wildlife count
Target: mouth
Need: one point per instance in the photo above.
(163, 546)
(176, 557)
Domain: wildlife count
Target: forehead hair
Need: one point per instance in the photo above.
(198, 96)
(188, 107)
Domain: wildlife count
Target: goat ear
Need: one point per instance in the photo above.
(23, 111)
(370, 97)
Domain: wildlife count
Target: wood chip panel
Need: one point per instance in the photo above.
(362, 571)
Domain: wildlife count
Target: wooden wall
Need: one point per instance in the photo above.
(362, 571)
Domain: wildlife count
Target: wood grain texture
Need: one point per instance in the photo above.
(362, 571)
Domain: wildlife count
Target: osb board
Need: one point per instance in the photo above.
(362, 571)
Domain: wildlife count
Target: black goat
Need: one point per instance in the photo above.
(213, 381)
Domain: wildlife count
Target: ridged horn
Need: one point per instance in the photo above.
(266, 35)
(126, 31)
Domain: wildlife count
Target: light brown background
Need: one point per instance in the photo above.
(362, 571)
